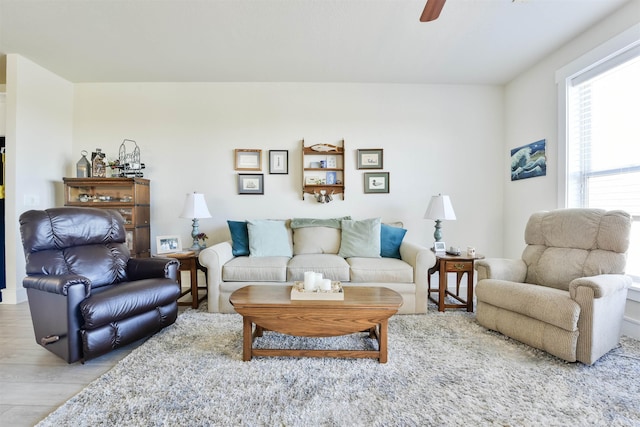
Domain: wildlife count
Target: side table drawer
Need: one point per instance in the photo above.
(454, 266)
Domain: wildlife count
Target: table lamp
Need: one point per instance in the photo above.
(195, 207)
(439, 209)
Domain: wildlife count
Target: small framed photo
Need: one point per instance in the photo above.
(248, 160)
(332, 162)
(376, 182)
(250, 183)
(370, 158)
(332, 178)
(279, 161)
(439, 247)
(168, 244)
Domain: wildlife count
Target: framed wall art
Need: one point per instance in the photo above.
(370, 158)
(279, 161)
(168, 244)
(248, 160)
(376, 182)
(250, 183)
(529, 160)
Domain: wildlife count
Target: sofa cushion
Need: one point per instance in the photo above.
(269, 238)
(360, 238)
(256, 269)
(389, 270)
(239, 238)
(548, 305)
(316, 240)
(331, 266)
(390, 240)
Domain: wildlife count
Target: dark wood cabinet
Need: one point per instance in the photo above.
(129, 196)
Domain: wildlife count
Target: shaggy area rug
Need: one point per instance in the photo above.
(444, 369)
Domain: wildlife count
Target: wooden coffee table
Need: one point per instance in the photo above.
(269, 307)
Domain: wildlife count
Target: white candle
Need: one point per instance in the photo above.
(318, 280)
(325, 285)
(309, 281)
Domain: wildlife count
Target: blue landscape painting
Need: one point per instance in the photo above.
(529, 161)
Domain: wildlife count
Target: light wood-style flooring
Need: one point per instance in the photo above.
(33, 381)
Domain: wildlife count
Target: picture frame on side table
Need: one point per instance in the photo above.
(248, 160)
(439, 247)
(376, 182)
(279, 162)
(250, 183)
(370, 158)
(168, 244)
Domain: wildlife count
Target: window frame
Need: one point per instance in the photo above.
(617, 46)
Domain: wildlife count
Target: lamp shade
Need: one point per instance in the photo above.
(440, 208)
(195, 207)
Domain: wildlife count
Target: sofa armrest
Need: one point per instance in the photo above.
(513, 270)
(421, 259)
(602, 285)
(57, 284)
(602, 300)
(146, 268)
(213, 258)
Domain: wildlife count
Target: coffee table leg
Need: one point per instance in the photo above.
(383, 341)
(247, 338)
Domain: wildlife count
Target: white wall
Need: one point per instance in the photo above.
(531, 114)
(436, 138)
(38, 140)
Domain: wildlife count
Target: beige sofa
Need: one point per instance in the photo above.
(341, 249)
(568, 292)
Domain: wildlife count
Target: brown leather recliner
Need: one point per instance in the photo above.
(86, 295)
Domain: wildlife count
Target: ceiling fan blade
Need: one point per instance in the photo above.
(432, 10)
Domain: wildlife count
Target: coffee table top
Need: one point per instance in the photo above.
(280, 296)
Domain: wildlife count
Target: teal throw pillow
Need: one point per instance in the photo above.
(269, 238)
(390, 240)
(239, 238)
(360, 238)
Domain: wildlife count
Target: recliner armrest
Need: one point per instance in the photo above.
(56, 284)
(602, 285)
(513, 270)
(147, 268)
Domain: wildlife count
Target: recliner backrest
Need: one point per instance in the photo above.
(566, 244)
(84, 241)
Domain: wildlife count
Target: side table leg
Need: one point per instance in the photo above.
(442, 287)
(193, 272)
(470, 290)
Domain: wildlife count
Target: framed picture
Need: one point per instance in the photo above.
(376, 182)
(370, 158)
(439, 246)
(250, 183)
(332, 178)
(248, 160)
(168, 244)
(279, 161)
(529, 160)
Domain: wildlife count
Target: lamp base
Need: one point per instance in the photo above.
(195, 230)
(437, 234)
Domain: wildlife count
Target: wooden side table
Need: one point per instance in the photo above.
(459, 264)
(189, 262)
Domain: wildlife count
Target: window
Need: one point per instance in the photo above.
(602, 144)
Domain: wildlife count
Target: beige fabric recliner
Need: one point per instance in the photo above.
(567, 294)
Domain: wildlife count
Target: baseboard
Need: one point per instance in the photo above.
(631, 327)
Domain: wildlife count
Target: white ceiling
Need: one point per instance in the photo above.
(473, 41)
